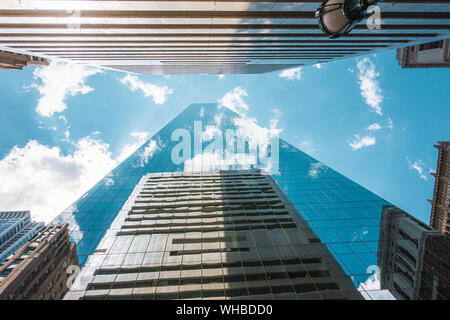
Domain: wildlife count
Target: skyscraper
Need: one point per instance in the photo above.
(343, 217)
(244, 36)
(414, 258)
(214, 234)
(16, 228)
(440, 210)
(434, 54)
(38, 270)
(16, 61)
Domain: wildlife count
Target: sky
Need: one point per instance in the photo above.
(64, 127)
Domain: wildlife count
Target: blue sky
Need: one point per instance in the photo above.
(63, 127)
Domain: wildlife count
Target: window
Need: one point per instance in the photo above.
(431, 45)
(407, 254)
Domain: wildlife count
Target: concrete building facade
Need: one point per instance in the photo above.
(414, 259)
(208, 37)
(38, 270)
(440, 205)
(16, 61)
(434, 54)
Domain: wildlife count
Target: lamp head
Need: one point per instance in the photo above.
(338, 17)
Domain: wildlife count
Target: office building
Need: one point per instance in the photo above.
(215, 234)
(16, 61)
(440, 205)
(434, 54)
(16, 228)
(343, 216)
(208, 37)
(39, 269)
(414, 258)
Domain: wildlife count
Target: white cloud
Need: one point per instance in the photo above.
(41, 179)
(371, 289)
(127, 150)
(306, 146)
(158, 94)
(370, 139)
(234, 100)
(66, 135)
(218, 118)
(369, 85)
(45, 181)
(147, 153)
(109, 181)
(208, 161)
(292, 74)
(63, 118)
(374, 127)
(142, 136)
(210, 132)
(417, 166)
(316, 169)
(56, 82)
(274, 121)
(257, 136)
(359, 142)
(390, 124)
(247, 128)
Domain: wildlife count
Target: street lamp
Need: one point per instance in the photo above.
(338, 17)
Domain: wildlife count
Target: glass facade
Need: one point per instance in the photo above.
(211, 235)
(347, 218)
(16, 228)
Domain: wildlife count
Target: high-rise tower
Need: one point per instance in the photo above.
(434, 54)
(214, 234)
(339, 221)
(16, 61)
(413, 258)
(440, 210)
(16, 228)
(38, 269)
(205, 36)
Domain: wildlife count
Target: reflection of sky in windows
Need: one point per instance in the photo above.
(344, 215)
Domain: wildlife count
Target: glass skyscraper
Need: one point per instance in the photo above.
(16, 228)
(344, 221)
(228, 234)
